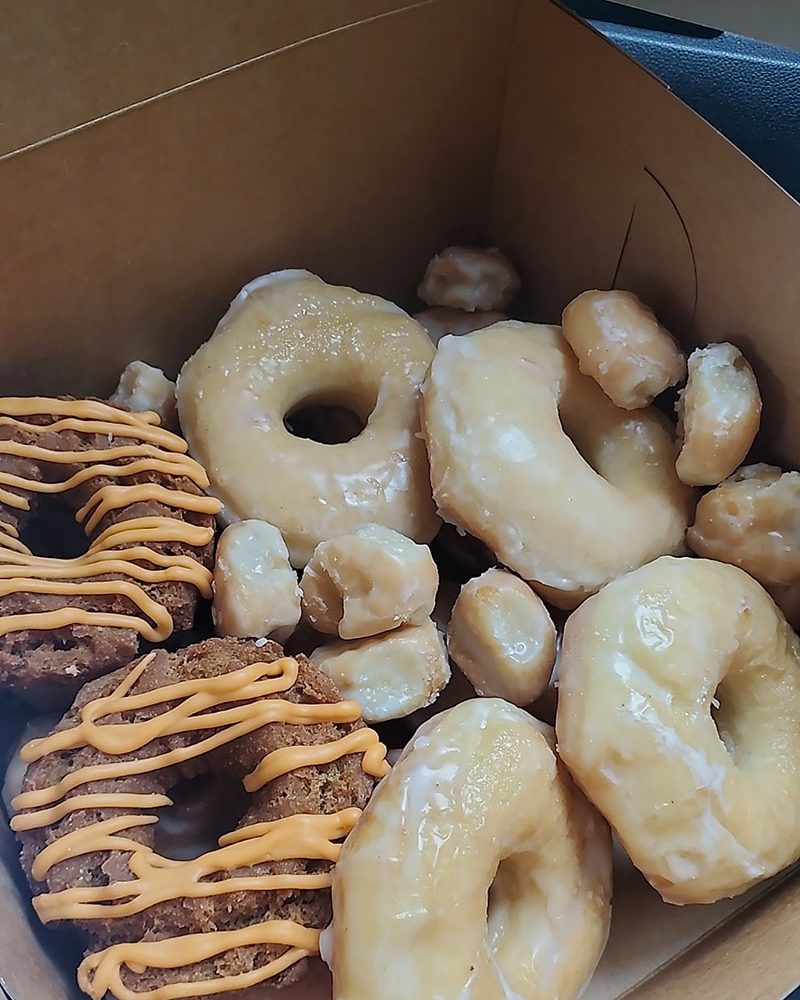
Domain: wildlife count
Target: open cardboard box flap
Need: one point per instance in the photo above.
(158, 162)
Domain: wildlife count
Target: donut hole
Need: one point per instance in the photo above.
(328, 419)
(204, 808)
(52, 532)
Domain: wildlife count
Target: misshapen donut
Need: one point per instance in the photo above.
(244, 913)
(141, 503)
(477, 800)
(290, 340)
(679, 700)
(497, 408)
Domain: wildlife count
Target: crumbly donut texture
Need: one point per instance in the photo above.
(367, 582)
(324, 789)
(719, 412)
(61, 635)
(290, 340)
(142, 387)
(679, 695)
(389, 675)
(619, 343)
(498, 406)
(502, 637)
(751, 520)
(478, 799)
(256, 593)
(470, 279)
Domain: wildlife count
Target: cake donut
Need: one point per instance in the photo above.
(679, 695)
(141, 502)
(477, 816)
(245, 913)
(289, 340)
(567, 513)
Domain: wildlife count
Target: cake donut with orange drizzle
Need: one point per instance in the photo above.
(245, 913)
(141, 502)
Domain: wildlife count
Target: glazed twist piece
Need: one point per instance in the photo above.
(508, 473)
(679, 695)
(290, 341)
(753, 521)
(367, 582)
(718, 415)
(619, 343)
(477, 802)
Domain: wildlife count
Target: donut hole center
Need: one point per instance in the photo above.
(723, 720)
(204, 808)
(328, 418)
(52, 532)
(583, 440)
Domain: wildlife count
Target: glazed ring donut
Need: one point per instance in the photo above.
(679, 695)
(496, 406)
(236, 916)
(141, 502)
(289, 340)
(478, 800)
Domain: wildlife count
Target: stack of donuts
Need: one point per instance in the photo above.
(496, 553)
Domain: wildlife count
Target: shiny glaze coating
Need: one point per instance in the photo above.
(477, 800)
(679, 700)
(718, 415)
(289, 341)
(498, 406)
(502, 637)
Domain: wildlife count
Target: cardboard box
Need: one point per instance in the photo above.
(154, 158)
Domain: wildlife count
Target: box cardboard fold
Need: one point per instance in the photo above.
(152, 164)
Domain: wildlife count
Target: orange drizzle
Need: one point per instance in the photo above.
(230, 705)
(156, 450)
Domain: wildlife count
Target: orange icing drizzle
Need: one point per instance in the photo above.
(155, 450)
(230, 705)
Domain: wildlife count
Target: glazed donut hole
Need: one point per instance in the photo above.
(389, 675)
(367, 582)
(255, 588)
(142, 387)
(621, 345)
(719, 412)
(502, 638)
(469, 279)
(753, 521)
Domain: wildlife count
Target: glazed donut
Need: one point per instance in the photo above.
(389, 675)
(502, 638)
(141, 502)
(368, 582)
(255, 588)
(247, 912)
(290, 340)
(679, 695)
(470, 279)
(477, 801)
(619, 343)
(143, 388)
(751, 520)
(718, 415)
(440, 321)
(495, 409)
